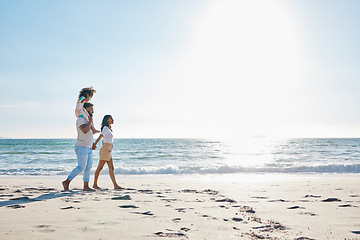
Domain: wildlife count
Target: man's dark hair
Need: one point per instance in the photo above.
(88, 104)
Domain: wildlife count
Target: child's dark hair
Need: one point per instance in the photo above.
(105, 122)
(85, 92)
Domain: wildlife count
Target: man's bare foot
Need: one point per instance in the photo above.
(66, 184)
(118, 187)
(96, 187)
(88, 189)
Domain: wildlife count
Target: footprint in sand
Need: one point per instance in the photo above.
(313, 196)
(308, 213)
(278, 200)
(210, 192)
(222, 206)
(126, 197)
(180, 209)
(257, 197)
(148, 213)
(295, 207)
(270, 227)
(128, 206)
(6, 195)
(170, 235)
(169, 199)
(16, 206)
(185, 229)
(226, 200)
(331, 200)
(42, 189)
(346, 205)
(237, 219)
(66, 208)
(149, 191)
(45, 228)
(189, 191)
(246, 209)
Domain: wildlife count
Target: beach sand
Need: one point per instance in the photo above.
(232, 206)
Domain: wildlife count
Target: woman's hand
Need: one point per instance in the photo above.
(94, 146)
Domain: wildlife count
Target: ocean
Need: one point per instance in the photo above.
(187, 156)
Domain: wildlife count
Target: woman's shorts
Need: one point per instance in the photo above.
(105, 151)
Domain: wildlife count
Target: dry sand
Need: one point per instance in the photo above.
(183, 207)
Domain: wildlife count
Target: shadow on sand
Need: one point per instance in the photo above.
(47, 196)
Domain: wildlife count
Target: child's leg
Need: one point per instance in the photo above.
(85, 114)
(77, 113)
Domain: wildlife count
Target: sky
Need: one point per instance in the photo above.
(182, 68)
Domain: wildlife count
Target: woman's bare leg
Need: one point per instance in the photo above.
(97, 173)
(112, 174)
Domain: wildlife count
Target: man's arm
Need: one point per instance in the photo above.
(86, 127)
(95, 131)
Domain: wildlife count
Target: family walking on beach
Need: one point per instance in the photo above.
(85, 142)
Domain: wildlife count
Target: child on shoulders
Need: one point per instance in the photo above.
(85, 96)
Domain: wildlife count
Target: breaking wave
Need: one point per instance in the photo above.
(175, 170)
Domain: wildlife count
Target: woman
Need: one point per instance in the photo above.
(105, 151)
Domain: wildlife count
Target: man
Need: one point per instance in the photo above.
(83, 149)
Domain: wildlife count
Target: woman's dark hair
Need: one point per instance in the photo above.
(105, 122)
(89, 91)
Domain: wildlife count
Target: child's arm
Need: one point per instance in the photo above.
(96, 142)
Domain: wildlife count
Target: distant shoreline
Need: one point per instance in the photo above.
(177, 138)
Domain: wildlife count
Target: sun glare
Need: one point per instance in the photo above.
(242, 69)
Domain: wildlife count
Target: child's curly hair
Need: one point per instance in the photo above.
(89, 91)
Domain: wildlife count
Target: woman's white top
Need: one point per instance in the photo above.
(107, 135)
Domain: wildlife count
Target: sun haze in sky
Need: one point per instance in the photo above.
(217, 69)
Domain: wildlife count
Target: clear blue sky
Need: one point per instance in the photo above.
(189, 68)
